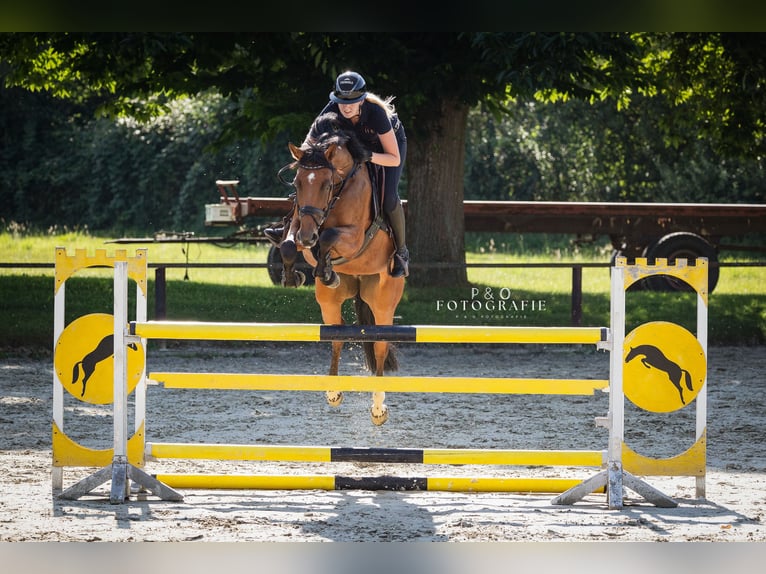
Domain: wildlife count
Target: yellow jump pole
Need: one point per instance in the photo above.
(329, 482)
(246, 381)
(359, 333)
(593, 458)
(248, 482)
(483, 334)
(226, 331)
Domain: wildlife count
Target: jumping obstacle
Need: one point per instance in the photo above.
(617, 462)
(156, 451)
(86, 332)
(125, 458)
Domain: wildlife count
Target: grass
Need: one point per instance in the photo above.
(537, 296)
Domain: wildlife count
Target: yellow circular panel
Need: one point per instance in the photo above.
(664, 367)
(84, 359)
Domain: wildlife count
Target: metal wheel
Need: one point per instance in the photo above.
(681, 245)
(274, 260)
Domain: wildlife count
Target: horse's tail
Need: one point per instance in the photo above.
(76, 372)
(688, 377)
(364, 316)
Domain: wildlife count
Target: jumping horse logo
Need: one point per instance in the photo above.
(653, 357)
(103, 351)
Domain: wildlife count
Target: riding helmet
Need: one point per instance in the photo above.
(349, 88)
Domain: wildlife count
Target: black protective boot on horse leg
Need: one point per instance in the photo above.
(401, 255)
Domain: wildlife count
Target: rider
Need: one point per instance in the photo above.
(379, 128)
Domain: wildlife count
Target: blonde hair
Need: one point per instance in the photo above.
(386, 104)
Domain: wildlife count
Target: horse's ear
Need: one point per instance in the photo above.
(330, 151)
(295, 151)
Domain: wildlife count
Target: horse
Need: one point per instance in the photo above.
(89, 362)
(654, 357)
(336, 227)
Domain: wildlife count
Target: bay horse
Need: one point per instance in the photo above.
(335, 226)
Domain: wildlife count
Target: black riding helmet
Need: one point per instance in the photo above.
(349, 88)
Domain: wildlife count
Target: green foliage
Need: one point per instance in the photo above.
(59, 167)
(278, 80)
(83, 162)
(122, 176)
(714, 84)
(576, 151)
(556, 66)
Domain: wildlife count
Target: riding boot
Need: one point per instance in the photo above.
(274, 234)
(402, 255)
(276, 231)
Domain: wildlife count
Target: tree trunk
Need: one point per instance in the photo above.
(435, 223)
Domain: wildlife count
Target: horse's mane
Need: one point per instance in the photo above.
(330, 131)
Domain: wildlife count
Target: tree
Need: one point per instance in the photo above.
(716, 85)
(281, 80)
(278, 81)
(576, 151)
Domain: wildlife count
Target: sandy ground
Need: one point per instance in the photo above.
(734, 508)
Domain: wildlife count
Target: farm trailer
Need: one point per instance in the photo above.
(651, 230)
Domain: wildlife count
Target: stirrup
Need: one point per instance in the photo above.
(401, 266)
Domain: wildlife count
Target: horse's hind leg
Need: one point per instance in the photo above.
(382, 294)
(330, 302)
(335, 398)
(379, 410)
(677, 384)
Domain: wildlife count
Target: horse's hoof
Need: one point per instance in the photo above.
(334, 398)
(379, 419)
(333, 281)
(296, 279)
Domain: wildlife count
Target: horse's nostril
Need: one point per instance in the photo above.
(308, 241)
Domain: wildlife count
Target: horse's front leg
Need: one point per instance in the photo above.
(288, 249)
(323, 270)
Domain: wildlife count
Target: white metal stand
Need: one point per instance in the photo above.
(615, 478)
(120, 472)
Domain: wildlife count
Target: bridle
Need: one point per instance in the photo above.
(317, 214)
